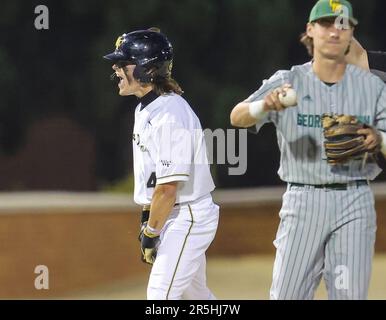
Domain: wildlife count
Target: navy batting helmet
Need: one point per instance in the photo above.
(150, 50)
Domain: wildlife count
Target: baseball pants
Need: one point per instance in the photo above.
(179, 271)
(324, 232)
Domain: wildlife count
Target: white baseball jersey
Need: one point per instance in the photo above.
(168, 145)
(299, 128)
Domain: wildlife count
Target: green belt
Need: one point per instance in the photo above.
(334, 186)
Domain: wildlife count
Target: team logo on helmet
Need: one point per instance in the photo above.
(170, 67)
(335, 5)
(118, 42)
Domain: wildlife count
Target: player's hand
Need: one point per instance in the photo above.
(272, 101)
(144, 219)
(149, 246)
(373, 138)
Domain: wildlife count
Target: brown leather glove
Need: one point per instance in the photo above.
(341, 140)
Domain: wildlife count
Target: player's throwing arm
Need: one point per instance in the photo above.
(246, 114)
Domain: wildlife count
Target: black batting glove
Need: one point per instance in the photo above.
(149, 246)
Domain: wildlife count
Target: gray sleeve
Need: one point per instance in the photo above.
(380, 74)
(380, 116)
(277, 80)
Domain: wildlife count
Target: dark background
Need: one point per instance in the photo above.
(62, 123)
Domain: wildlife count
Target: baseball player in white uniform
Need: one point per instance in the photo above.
(328, 220)
(172, 177)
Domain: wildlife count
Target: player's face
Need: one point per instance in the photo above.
(329, 40)
(127, 84)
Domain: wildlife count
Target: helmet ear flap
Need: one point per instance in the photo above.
(146, 74)
(142, 74)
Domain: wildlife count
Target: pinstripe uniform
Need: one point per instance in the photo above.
(324, 231)
(165, 150)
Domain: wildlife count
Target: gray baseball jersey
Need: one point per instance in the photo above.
(324, 229)
(299, 129)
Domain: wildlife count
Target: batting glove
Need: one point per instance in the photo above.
(149, 246)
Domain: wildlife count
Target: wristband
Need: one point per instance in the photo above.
(256, 109)
(151, 232)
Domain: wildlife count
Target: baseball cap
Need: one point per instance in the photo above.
(332, 8)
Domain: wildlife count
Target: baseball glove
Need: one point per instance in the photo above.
(342, 142)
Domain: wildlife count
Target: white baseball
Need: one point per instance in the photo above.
(290, 98)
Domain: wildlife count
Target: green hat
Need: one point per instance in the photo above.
(332, 8)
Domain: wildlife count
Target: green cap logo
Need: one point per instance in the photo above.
(335, 5)
(333, 8)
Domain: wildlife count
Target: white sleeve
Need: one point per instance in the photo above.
(174, 153)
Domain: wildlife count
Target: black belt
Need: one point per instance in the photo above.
(334, 186)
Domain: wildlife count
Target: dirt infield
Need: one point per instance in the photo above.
(247, 278)
(91, 242)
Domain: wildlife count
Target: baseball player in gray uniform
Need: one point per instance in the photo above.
(328, 219)
(173, 182)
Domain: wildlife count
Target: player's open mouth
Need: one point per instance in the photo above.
(120, 83)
